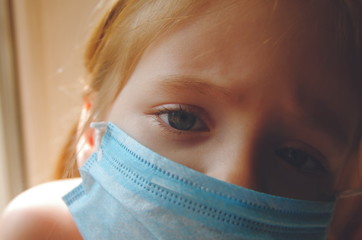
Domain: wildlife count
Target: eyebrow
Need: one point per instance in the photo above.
(196, 84)
(320, 117)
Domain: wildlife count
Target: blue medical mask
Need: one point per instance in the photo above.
(131, 192)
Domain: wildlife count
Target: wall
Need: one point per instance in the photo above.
(11, 154)
(49, 40)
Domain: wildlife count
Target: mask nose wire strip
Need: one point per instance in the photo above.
(350, 193)
(98, 127)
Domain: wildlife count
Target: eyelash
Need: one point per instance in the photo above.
(300, 159)
(180, 109)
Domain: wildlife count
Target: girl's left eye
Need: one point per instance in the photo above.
(300, 159)
(181, 118)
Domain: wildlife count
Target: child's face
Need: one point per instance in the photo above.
(256, 98)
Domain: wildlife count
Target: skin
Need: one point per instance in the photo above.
(254, 84)
(40, 213)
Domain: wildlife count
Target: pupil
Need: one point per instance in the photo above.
(293, 156)
(181, 120)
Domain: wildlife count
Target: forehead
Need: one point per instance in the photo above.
(293, 37)
(288, 47)
(293, 30)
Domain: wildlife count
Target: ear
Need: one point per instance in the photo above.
(86, 144)
(89, 137)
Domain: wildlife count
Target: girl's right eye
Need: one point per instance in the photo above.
(181, 118)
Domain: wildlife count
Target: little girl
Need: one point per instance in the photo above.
(212, 120)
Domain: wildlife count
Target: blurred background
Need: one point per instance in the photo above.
(41, 47)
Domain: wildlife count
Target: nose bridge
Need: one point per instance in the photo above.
(239, 158)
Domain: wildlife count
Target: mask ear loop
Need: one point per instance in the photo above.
(349, 193)
(99, 128)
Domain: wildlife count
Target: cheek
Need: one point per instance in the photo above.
(348, 218)
(127, 113)
(123, 107)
